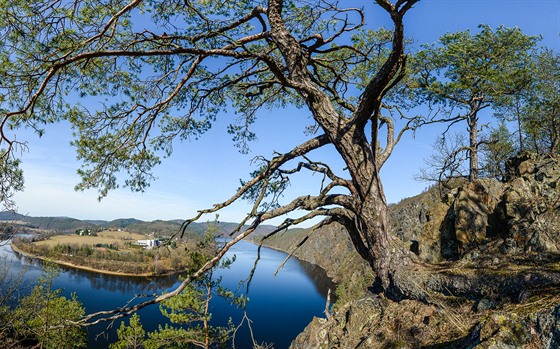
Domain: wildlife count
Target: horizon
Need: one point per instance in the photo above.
(92, 220)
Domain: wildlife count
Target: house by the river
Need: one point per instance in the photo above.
(148, 244)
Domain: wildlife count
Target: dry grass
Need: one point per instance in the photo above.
(104, 237)
(121, 235)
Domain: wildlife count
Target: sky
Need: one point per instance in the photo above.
(206, 171)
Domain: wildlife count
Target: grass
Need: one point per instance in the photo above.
(104, 237)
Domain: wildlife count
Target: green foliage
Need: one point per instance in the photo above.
(189, 311)
(46, 316)
(465, 73)
(498, 147)
(489, 64)
(10, 286)
(354, 286)
(541, 112)
(150, 74)
(536, 107)
(11, 179)
(131, 336)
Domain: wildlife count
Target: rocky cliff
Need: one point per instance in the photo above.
(375, 322)
(485, 229)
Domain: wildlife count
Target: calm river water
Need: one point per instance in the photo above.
(279, 307)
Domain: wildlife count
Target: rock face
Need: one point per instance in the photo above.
(407, 218)
(374, 322)
(531, 203)
(457, 220)
(519, 216)
(475, 215)
(511, 227)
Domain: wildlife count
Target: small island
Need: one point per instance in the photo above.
(110, 251)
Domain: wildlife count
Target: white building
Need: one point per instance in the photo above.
(148, 243)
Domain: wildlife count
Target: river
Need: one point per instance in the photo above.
(279, 307)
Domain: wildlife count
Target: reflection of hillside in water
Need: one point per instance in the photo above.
(319, 277)
(124, 284)
(148, 285)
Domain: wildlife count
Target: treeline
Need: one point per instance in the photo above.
(167, 259)
(495, 93)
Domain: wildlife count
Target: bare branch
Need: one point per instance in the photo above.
(273, 166)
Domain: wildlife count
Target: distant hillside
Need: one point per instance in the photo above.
(62, 224)
(227, 228)
(158, 227)
(11, 216)
(122, 222)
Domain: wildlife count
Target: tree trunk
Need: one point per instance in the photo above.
(366, 217)
(388, 256)
(519, 124)
(399, 274)
(473, 146)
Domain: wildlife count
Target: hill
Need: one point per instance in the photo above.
(158, 227)
(58, 224)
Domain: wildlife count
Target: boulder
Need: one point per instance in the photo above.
(531, 203)
(475, 213)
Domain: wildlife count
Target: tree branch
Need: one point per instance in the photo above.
(370, 99)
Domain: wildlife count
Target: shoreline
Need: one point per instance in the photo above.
(298, 257)
(83, 267)
(147, 275)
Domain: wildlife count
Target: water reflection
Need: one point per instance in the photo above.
(280, 307)
(319, 278)
(125, 284)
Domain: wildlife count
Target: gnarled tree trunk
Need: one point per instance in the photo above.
(365, 213)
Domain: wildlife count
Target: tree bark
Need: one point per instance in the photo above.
(473, 146)
(519, 123)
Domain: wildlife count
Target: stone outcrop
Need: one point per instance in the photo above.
(531, 203)
(519, 216)
(485, 230)
(474, 213)
(375, 322)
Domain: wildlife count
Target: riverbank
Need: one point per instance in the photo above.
(86, 268)
(298, 289)
(333, 276)
(330, 249)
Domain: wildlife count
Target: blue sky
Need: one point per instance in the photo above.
(206, 171)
